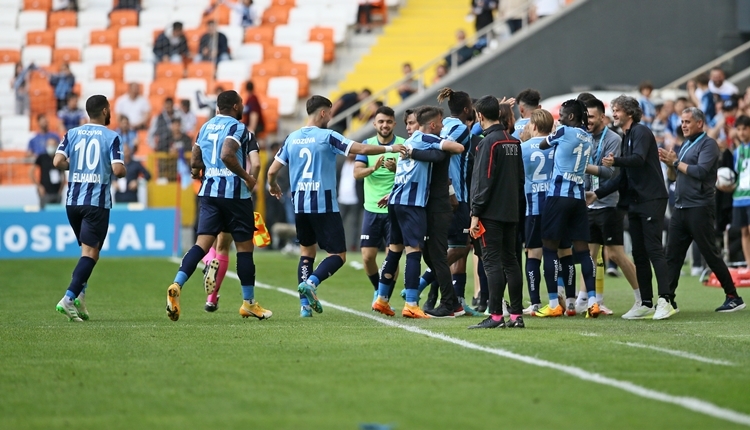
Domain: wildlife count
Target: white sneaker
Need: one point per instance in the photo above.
(69, 310)
(605, 310)
(531, 309)
(582, 307)
(664, 309)
(638, 312)
(696, 271)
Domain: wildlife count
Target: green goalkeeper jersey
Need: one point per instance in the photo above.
(380, 182)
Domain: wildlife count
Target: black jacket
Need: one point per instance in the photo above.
(640, 178)
(698, 187)
(497, 182)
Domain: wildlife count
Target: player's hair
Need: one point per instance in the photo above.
(702, 79)
(630, 106)
(696, 113)
(407, 112)
(227, 99)
(95, 105)
(742, 120)
(489, 107)
(645, 85)
(579, 111)
(529, 97)
(385, 110)
(506, 116)
(585, 97)
(543, 120)
(457, 100)
(594, 103)
(426, 114)
(317, 102)
(249, 86)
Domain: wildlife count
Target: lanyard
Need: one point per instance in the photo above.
(597, 159)
(689, 145)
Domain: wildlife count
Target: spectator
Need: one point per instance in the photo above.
(464, 52)
(177, 143)
(71, 115)
(187, 117)
(129, 4)
(409, 86)
(644, 101)
(64, 5)
(349, 206)
(38, 143)
(49, 181)
(244, 13)
(513, 12)
(252, 114)
(20, 87)
(719, 85)
(364, 16)
(440, 71)
(675, 123)
(482, 11)
(702, 97)
(63, 83)
(127, 187)
(213, 45)
(128, 136)
(171, 45)
(659, 125)
(344, 103)
(160, 129)
(208, 101)
(544, 8)
(134, 106)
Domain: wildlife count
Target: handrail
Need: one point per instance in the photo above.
(708, 66)
(418, 75)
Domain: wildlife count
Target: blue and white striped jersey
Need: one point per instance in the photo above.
(91, 150)
(218, 180)
(411, 186)
(518, 127)
(573, 148)
(310, 153)
(457, 131)
(537, 164)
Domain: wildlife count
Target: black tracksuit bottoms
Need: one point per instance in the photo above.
(436, 255)
(646, 223)
(500, 264)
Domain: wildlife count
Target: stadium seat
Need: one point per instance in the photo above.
(193, 39)
(163, 87)
(235, 35)
(136, 71)
(105, 87)
(98, 5)
(8, 17)
(169, 71)
(44, 37)
(190, 17)
(188, 88)
(157, 103)
(97, 54)
(104, 37)
(299, 71)
(310, 53)
(220, 14)
(324, 35)
(135, 37)
(276, 15)
(11, 39)
(10, 56)
(12, 127)
(200, 4)
(7, 105)
(283, 3)
(228, 85)
(286, 35)
(156, 18)
(202, 70)
(262, 35)
(148, 4)
(251, 53)
(267, 68)
(62, 18)
(108, 71)
(65, 55)
(41, 98)
(236, 71)
(32, 20)
(123, 18)
(70, 37)
(93, 19)
(277, 53)
(123, 55)
(81, 71)
(261, 84)
(333, 19)
(285, 89)
(7, 72)
(270, 108)
(40, 55)
(42, 5)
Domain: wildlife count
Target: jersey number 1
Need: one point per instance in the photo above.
(90, 151)
(578, 151)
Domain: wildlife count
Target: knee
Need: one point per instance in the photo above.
(342, 256)
(745, 232)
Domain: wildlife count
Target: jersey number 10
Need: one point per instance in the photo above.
(90, 151)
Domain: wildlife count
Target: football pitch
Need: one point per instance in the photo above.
(131, 367)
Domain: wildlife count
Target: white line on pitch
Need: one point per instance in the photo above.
(677, 353)
(689, 403)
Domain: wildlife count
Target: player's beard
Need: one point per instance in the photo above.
(386, 138)
(107, 118)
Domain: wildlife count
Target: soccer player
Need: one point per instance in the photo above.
(406, 209)
(92, 154)
(538, 169)
(217, 258)
(378, 172)
(310, 153)
(225, 202)
(528, 102)
(565, 214)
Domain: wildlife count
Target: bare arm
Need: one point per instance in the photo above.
(254, 164)
(361, 148)
(229, 158)
(61, 162)
(252, 122)
(119, 170)
(452, 147)
(196, 162)
(273, 173)
(361, 170)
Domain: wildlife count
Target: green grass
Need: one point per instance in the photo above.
(131, 367)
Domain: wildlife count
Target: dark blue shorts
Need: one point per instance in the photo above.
(408, 225)
(565, 218)
(460, 224)
(235, 216)
(326, 229)
(376, 229)
(90, 224)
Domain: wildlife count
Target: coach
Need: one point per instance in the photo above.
(642, 191)
(694, 170)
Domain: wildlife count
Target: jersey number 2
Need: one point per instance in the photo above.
(90, 151)
(307, 155)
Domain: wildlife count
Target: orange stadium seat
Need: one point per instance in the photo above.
(123, 55)
(163, 87)
(324, 35)
(169, 71)
(41, 98)
(43, 5)
(283, 3)
(67, 55)
(62, 18)
(205, 70)
(277, 53)
(260, 84)
(276, 15)
(123, 18)
(193, 39)
(267, 68)
(379, 12)
(109, 71)
(223, 85)
(270, 109)
(104, 37)
(157, 103)
(262, 35)
(121, 88)
(299, 71)
(220, 14)
(45, 37)
(10, 56)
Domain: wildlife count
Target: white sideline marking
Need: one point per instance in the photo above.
(589, 334)
(689, 403)
(677, 353)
